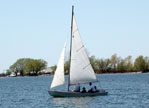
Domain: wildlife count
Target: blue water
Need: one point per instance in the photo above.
(125, 91)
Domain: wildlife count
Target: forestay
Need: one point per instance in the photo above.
(59, 78)
(81, 70)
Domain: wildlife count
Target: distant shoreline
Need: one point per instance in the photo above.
(66, 74)
(105, 73)
(124, 73)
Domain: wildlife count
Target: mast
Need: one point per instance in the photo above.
(70, 47)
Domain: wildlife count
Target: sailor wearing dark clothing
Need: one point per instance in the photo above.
(96, 89)
(84, 90)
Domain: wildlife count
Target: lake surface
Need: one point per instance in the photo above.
(125, 91)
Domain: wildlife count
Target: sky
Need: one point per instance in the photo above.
(38, 28)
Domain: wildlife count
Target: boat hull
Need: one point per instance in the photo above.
(55, 93)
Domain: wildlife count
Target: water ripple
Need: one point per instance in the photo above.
(125, 91)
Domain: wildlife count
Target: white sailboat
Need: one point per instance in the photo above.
(80, 70)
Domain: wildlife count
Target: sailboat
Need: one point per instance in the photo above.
(80, 69)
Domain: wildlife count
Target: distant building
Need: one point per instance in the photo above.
(47, 71)
(12, 75)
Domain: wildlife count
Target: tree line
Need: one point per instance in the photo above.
(115, 64)
(27, 66)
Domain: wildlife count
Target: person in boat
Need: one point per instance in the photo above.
(92, 88)
(77, 88)
(83, 90)
(97, 90)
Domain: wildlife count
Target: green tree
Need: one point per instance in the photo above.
(129, 64)
(19, 66)
(34, 66)
(93, 63)
(29, 68)
(14, 68)
(121, 66)
(147, 64)
(99, 65)
(26, 66)
(140, 64)
(39, 65)
(114, 62)
(103, 65)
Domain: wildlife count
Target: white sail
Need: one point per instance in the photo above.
(81, 70)
(59, 78)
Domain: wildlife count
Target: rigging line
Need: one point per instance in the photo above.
(86, 66)
(75, 30)
(80, 48)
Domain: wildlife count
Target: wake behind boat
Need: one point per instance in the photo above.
(80, 69)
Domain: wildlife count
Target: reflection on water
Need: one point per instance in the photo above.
(74, 102)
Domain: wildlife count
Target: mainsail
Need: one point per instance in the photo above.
(59, 78)
(81, 70)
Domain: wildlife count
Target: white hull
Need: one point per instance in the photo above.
(55, 93)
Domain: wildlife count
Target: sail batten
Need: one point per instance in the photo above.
(59, 78)
(81, 71)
